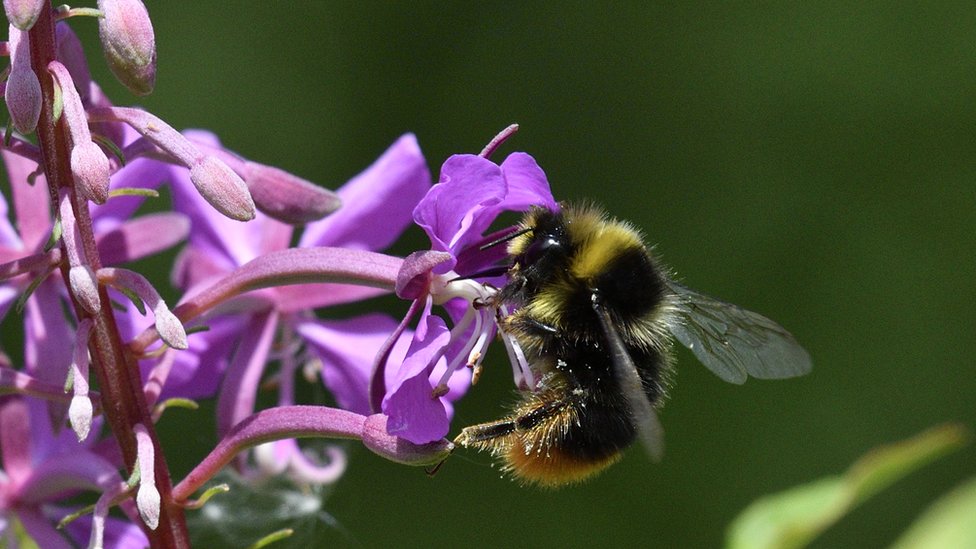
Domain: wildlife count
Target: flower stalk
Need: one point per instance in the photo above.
(284, 267)
(124, 405)
(306, 422)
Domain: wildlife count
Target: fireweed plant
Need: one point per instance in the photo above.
(253, 312)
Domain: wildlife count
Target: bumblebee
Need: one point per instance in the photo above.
(594, 317)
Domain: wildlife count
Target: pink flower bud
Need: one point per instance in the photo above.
(287, 197)
(216, 181)
(84, 287)
(129, 43)
(222, 188)
(80, 411)
(23, 13)
(23, 92)
(89, 165)
(169, 327)
(147, 497)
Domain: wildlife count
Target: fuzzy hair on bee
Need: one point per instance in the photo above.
(595, 315)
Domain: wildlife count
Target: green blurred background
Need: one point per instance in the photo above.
(811, 162)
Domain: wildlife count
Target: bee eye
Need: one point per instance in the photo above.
(539, 248)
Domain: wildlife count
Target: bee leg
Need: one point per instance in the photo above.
(523, 324)
(484, 432)
(541, 327)
(527, 417)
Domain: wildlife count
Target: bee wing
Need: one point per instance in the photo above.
(735, 343)
(649, 428)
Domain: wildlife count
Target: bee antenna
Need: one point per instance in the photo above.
(504, 239)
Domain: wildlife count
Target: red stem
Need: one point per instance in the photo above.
(123, 401)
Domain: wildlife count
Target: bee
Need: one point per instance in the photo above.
(594, 316)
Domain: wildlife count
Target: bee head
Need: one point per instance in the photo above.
(545, 239)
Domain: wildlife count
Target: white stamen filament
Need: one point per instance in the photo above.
(524, 377)
(475, 348)
(456, 333)
(463, 356)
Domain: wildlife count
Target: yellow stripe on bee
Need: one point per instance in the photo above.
(548, 307)
(520, 243)
(601, 247)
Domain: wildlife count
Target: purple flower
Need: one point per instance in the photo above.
(40, 470)
(275, 324)
(456, 213)
(65, 266)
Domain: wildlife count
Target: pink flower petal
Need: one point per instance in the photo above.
(413, 413)
(377, 203)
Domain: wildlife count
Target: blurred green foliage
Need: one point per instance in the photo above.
(812, 162)
(794, 517)
(948, 523)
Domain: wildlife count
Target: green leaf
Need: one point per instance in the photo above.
(134, 298)
(795, 517)
(68, 519)
(272, 537)
(209, 493)
(111, 147)
(55, 237)
(949, 522)
(133, 191)
(57, 104)
(8, 134)
(29, 290)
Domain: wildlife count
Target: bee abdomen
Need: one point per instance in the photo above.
(582, 439)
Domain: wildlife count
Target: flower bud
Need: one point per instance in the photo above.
(222, 188)
(23, 91)
(287, 197)
(80, 411)
(147, 496)
(129, 43)
(83, 285)
(168, 326)
(89, 165)
(90, 168)
(23, 13)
